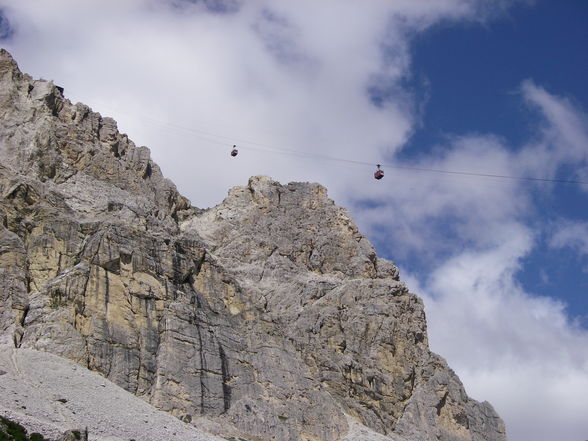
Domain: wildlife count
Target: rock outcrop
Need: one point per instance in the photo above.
(268, 316)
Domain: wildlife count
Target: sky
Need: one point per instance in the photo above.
(323, 91)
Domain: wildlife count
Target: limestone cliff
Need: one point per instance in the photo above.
(267, 317)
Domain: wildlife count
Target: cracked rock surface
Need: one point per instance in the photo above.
(266, 317)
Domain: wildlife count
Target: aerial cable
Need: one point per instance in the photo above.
(488, 175)
(421, 169)
(256, 146)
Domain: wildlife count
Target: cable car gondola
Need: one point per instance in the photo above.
(379, 174)
(234, 152)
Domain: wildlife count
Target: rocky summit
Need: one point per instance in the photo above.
(267, 317)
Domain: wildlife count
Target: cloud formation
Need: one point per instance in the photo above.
(561, 139)
(571, 234)
(518, 350)
(294, 75)
(291, 81)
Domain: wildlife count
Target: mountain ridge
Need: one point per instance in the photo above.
(269, 315)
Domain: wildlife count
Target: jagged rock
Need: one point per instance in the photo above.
(269, 315)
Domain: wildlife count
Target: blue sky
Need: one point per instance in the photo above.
(483, 86)
(481, 67)
(471, 76)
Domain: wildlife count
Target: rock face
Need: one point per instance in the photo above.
(269, 315)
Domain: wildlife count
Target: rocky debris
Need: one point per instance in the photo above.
(267, 317)
(61, 400)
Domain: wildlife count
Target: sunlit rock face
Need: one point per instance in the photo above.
(268, 316)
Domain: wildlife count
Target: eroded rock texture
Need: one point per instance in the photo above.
(269, 314)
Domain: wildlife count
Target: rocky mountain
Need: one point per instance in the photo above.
(267, 317)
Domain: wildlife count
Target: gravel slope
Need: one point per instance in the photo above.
(49, 395)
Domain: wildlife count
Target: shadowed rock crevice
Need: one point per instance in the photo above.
(226, 378)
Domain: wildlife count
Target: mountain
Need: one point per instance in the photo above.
(267, 317)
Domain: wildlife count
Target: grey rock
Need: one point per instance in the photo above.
(267, 317)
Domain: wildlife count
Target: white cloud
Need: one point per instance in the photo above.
(515, 350)
(519, 351)
(561, 140)
(432, 214)
(285, 74)
(572, 234)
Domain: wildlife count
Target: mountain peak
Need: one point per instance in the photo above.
(296, 226)
(7, 63)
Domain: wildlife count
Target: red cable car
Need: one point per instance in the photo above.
(234, 152)
(379, 174)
